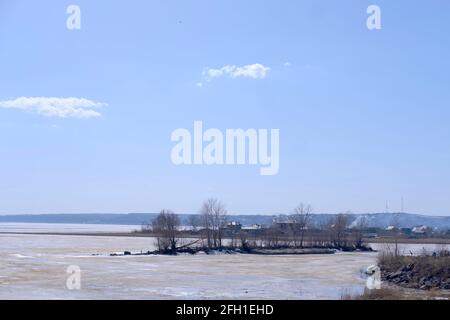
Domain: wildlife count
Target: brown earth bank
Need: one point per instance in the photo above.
(425, 272)
(393, 292)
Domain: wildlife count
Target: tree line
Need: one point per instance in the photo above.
(209, 229)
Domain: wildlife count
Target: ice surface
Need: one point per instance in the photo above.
(34, 267)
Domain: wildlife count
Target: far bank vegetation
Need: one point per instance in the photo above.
(211, 229)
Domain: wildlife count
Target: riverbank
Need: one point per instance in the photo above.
(228, 250)
(394, 292)
(425, 272)
(131, 234)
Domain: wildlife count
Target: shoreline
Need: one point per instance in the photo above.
(436, 241)
(230, 251)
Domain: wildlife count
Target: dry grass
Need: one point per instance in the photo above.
(397, 293)
(427, 265)
(381, 294)
(406, 274)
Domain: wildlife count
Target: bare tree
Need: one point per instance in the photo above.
(358, 232)
(243, 238)
(326, 228)
(206, 223)
(165, 226)
(396, 232)
(301, 219)
(213, 218)
(272, 236)
(338, 230)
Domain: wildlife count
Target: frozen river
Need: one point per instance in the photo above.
(65, 228)
(34, 267)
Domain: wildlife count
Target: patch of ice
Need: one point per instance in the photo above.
(20, 256)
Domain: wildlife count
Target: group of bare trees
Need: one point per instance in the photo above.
(338, 230)
(301, 219)
(210, 223)
(299, 231)
(166, 230)
(341, 233)
(290, 230)
(295, 230)
(358, 231)
(213, 220)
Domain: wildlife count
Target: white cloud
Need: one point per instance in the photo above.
(253, 71)
(56, 107)
(287, 64)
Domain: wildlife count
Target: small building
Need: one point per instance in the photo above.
(253, 227)
(420, 230)
(234, 226)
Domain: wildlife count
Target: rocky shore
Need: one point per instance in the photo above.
(424, 272)
(408, 277)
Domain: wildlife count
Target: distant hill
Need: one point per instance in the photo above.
(380, 220)
(122, 219)
(81, 218)
(406, 220)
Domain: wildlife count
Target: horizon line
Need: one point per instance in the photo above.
(229, 214)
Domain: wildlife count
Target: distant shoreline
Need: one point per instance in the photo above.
(144, 235)
(375, 220)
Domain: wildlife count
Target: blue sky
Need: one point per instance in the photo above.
(363, 115)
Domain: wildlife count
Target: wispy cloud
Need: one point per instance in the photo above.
(253, 71)
(56, 107)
